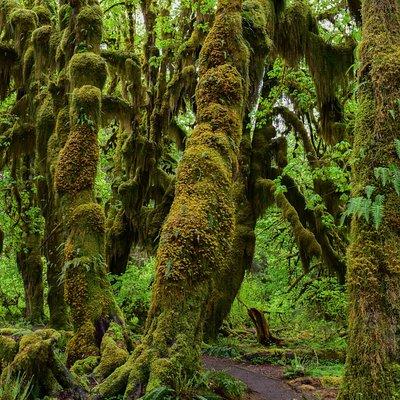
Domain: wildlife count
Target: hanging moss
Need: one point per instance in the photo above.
(43, 15)
(115, 108)
(292, 32)
(42, 50)
(87, 69)
(23, 22)
(296, 37)
(21, 140)
(6, 8)
(89, 28)
(8, 58)
(27, 68)
(127, 67)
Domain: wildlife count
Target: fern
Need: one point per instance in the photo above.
(397, 146)
(366, 208)
(382, 174)
(377, 210)
(160, 393)
(15, 388)
(395, 178)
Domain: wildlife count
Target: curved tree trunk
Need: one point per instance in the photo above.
(199, 231)
(374, 254)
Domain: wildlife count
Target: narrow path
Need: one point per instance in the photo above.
(264, 383)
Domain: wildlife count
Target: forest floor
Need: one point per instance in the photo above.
(266, 382)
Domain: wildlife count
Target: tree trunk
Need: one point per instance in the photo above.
(198, 234)
(29, 263)
(374, 254)
(87, 289)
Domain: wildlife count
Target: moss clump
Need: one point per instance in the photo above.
(8, 350)
(77, 163)
(87, 69)
(42, 49)
(85, 366)
(89, 216)
(23, 22)
(89, 28)
(78, 159)
(113, 352)
(6, 8)
(86, 107)
(43, 15)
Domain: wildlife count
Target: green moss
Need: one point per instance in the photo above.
(77, 163)
(23, 22)
(88, 216)
(27, 68)
(64, 14)
(43, 15)
(42, 49)
(113, 352)
(86, 107)
(87, 69)
(6, 8)
(373, 255)
(199, 229)
(8, 350)
(292, 32)
(85, 366)
(89, 28)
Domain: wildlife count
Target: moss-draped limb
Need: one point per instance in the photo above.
(199, 229)
(373, 255)
(297, 38)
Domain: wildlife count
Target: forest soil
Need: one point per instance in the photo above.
(266, 382)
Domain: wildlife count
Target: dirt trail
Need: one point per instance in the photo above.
(265, 383)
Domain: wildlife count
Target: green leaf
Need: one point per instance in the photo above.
(377, 210)
(397, 145)
(369, 190)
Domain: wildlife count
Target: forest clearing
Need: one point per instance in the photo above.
(199, 199)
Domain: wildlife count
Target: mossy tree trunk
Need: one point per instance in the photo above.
(29, 258)
(199, 230)
(87, 289)
(374, 254)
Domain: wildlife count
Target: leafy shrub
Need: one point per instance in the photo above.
(133, 291)
(325, 298)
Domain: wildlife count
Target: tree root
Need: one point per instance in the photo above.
(31, 356)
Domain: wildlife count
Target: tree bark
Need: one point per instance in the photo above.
(198, 233)
(374, 254)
